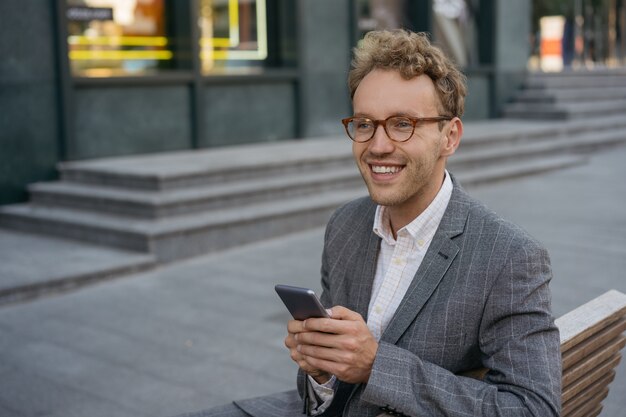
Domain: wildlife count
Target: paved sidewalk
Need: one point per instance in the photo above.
(202, 332)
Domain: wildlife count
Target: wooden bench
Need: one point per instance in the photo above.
(591, 341)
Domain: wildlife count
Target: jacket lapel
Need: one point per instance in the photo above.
(437, 260)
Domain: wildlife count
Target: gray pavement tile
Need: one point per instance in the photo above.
(32, 261)
(127, 387)
(231, 383)
(6, 411)
(35, 395)
(169, 365)
(147, 319)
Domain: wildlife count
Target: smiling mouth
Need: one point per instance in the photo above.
(386, 169)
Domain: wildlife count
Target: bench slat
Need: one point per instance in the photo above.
(587, 394)
(592, 409)
(587, 347)
(579, 385)
(582, 368)
(578, 324)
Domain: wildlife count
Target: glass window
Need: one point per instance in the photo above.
(454, 29)
(381, 14)
(454, 23)
(233, 35)
(117, 37)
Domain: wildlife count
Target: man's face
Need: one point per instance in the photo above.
(407, 174)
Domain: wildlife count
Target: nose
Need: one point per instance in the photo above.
(380, 143)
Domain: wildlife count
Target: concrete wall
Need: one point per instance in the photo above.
(28, 96)
(325, 43)
(477, 101)
(130, 120)
(512, 28)
(258, 112)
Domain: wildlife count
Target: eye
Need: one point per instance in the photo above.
(401, 123)
(362, 124)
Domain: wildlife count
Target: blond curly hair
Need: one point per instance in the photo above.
(412, 55)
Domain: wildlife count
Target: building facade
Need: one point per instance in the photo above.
(97, 78)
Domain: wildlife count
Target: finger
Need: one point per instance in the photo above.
(333, 326)
(295, 326)
(290, 341)
(328, 354)
(300, 360)
(318, 339)
(323, 365)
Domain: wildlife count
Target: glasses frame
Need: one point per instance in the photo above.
(383, 122)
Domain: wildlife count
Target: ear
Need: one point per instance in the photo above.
(452, 139)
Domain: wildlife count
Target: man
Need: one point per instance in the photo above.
(425, 283)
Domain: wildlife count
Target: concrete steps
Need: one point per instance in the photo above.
(570, 95)
(176, 170)
(181, 236)
(565, 110)
(567, 95)
(182, 204)
(34, 265)
(155, 204)
(513, 151)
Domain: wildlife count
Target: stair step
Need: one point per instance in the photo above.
(174, 170)
(569, 95)
(31, 265)
(495, 132)
(182, 236)
(519, 168)
(565, 110)
(511, 151)
(157, 204)
(585, 81)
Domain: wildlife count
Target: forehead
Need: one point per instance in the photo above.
(385, 92)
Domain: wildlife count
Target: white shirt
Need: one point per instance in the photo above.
(399, 259)
(398, 262)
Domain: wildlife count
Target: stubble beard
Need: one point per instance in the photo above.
(414, 181)
(409, 188)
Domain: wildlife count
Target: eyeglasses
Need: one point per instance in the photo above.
(398, 128)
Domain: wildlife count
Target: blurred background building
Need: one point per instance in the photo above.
(84, 79)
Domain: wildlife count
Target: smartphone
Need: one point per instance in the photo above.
(302, 303)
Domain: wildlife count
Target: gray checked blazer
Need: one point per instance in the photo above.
(479, 299)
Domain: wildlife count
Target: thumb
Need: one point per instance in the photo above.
(343, 313)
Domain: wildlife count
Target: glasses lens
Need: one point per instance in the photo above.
(399, 128)
(361, 129)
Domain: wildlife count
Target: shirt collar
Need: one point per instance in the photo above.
(424, 225)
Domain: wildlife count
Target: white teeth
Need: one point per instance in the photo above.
(385, 169)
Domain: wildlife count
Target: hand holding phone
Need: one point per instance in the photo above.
(302, 303)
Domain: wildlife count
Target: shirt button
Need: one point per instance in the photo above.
(378, 310)
(398, 261)
(420, 242)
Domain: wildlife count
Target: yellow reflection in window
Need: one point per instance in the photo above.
(234, 34)
(108, 37)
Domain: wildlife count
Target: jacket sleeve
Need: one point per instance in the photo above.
(519, 344)
(342, 389)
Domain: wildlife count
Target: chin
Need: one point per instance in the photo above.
(386, 199)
